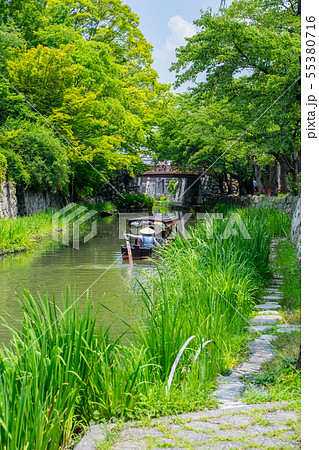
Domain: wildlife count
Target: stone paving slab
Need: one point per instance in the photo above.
(268, 312)
(259, 328)
(272, 442)
(202, 425)
(133, 433)
(268, 305)
(130, 445)
(196, 437)
(274, 297)
(222, 445)
(94, 433)
(230, 387)
(265, 320)
(227, 428)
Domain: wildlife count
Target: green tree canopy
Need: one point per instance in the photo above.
(246, 111)
(85, 68)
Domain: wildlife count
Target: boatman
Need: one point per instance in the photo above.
(146, 238)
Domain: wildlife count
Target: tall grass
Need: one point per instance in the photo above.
(204, 286)
(61, 370)
(22, 233)
(277, 222)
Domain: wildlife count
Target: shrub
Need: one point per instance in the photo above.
(35, 156)
(3, 167)
(173, 186)
(107, 207)
(134, 201)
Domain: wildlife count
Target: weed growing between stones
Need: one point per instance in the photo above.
(279, 381)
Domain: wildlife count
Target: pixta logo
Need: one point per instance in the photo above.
(234, 225)
(73, 216)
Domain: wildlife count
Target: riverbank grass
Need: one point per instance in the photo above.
(24, 233)
(61, 372)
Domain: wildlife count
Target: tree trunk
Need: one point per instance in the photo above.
(258, 178)
(273, 180)
(221, 184)
(228, 182)
(298, 363)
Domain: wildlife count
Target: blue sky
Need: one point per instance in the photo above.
(165, 24)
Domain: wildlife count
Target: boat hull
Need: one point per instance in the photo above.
(137, 252)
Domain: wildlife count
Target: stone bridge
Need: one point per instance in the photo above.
(155, 181)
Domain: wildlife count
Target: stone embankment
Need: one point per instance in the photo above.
(286, 204)
(8, 200)
(234, 424)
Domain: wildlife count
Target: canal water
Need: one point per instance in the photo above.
(51, 268)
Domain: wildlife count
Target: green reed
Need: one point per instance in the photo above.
(22, 233)
(60, 369)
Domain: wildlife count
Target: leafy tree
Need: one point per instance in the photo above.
(35, 156)
(87, 70)
(27, 15)
(246, 112)
(3, 167)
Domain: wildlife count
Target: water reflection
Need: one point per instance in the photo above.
(51, 268)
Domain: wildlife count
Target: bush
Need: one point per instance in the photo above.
(3, 167)
(173, 186)
(134, 201)
(295, 186)
(35, 156)
(106, 207)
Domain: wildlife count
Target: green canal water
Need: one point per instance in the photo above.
(53, 267)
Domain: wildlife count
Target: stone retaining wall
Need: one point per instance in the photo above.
(286, 204)
(30, 202)
(14, 201)
(295, 233)
(8, 200)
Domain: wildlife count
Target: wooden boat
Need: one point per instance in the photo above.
(163, 225)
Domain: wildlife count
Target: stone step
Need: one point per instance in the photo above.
(268, 305)
(268, 312)
(272, 297)
(277, 281)
(265, 320)
(258, 328)
(285, 328)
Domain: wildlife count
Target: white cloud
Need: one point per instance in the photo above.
(180, 29)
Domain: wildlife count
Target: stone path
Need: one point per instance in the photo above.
(234, 425)
(270, 425)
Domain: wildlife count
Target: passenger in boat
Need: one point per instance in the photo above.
(146, 238)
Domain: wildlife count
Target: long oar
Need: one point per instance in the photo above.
(129, 250)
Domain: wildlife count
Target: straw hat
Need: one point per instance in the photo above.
(147, 231)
